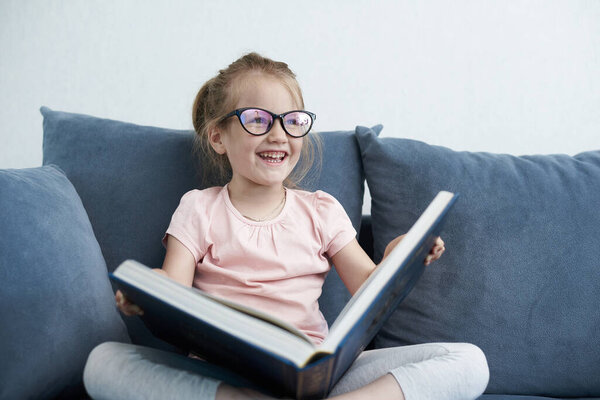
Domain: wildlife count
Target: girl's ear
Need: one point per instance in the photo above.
(215, 139)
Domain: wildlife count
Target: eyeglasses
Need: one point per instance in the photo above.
(257, 121)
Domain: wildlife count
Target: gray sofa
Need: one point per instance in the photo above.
(520, 277)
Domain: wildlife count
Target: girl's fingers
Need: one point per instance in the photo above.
(136, 310)
(127, 307)
(131, 310)
(438, 247)
(436, 251)
(119, 298)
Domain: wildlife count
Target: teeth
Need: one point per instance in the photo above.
(272, 156)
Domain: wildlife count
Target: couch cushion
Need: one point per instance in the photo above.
(520, 277)
(130, 179)
(56, 302)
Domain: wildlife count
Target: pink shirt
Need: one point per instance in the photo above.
(277, 266)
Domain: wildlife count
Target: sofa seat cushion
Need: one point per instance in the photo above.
(56, 302)
(521, 274)
(131, 178)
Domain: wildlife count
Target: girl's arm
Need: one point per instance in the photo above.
(354, 266)
(179, 265)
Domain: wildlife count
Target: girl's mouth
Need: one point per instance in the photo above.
(273, 157)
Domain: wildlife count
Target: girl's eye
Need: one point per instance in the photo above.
(297, 119)
(259, 120)
(255, 117)
(297, 122)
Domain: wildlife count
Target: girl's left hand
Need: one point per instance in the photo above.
(436, 251)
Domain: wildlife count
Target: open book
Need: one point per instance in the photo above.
(267, 350)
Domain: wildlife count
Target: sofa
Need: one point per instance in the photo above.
(520, 277)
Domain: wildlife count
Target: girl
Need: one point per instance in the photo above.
(258, 241)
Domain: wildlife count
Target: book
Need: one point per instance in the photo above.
(271, 352)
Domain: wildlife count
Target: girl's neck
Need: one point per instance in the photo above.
(257, 202)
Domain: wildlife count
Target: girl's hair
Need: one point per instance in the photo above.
(218, 96)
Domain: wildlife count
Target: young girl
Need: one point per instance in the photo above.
(258, 241)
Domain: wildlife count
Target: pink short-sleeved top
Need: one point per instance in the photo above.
(277, 266)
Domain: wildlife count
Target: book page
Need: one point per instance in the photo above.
(258, 314)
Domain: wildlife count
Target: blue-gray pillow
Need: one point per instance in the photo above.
(521, 274)
(131, 178)
(56, 302)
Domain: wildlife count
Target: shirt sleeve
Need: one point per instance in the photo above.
(335, 225)
(186, 224)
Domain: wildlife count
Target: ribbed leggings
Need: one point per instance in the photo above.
(428, 371)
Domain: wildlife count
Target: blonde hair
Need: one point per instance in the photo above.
(218, 96)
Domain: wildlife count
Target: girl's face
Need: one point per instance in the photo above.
(264, 160)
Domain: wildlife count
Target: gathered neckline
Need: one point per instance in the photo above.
(250, 221)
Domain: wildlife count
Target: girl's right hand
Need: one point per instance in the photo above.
(126, 306)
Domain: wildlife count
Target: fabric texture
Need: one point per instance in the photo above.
(431, 371)
(440, 371)
(276, 266)
(117, 371)
(56, 302)
(131, 178)
(520, 277)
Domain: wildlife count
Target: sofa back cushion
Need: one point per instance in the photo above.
(521, 274)
(131, 178)
(56, 303)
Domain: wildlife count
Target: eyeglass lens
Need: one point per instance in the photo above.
(258, 122)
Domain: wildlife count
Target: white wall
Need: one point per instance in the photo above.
(501, 76)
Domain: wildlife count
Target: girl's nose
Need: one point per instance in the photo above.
(277, 134)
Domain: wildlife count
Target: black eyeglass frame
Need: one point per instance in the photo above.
(239, 112)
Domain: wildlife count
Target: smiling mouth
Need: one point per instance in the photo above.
(273, 157)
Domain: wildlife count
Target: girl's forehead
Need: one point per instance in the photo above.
(267, 91)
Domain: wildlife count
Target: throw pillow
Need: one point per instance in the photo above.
(56, 302)
(520, 275)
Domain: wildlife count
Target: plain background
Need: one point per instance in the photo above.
(518, 77)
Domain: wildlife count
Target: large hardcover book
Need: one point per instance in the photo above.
(269, 351)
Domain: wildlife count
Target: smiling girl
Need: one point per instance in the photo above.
(260, 241)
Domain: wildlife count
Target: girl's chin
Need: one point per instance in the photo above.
(264, 180)
(272, 180)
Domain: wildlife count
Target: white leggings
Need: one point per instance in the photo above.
(437, 371)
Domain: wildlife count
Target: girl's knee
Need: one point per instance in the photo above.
(475, 363)
(103, 353)
(97, 367)
(104, 348)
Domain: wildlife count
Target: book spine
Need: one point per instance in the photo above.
(315, 380)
